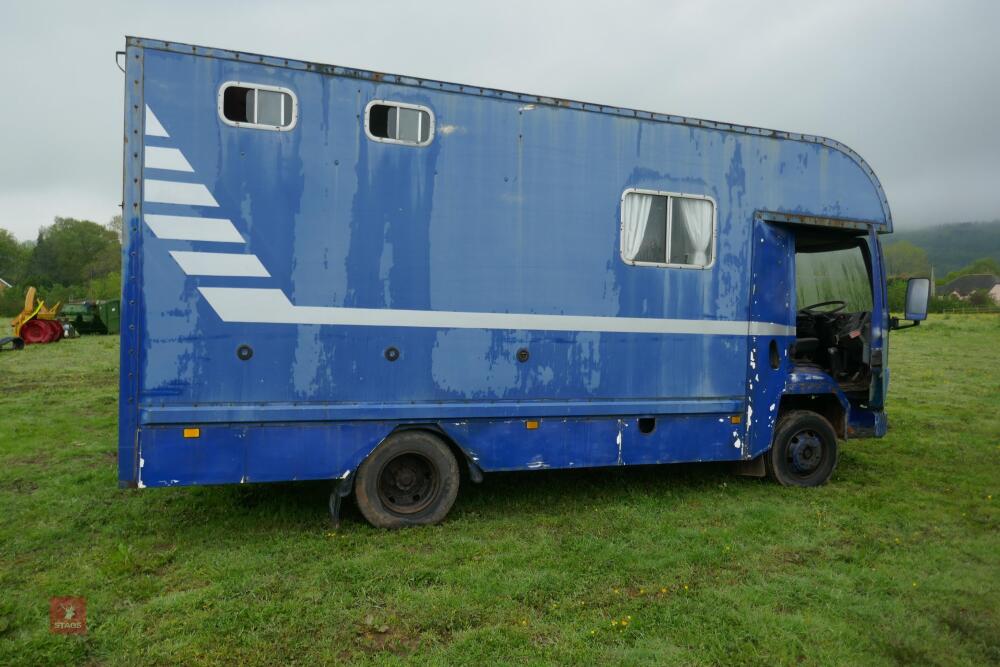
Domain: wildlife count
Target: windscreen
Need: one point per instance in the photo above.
(833, 275)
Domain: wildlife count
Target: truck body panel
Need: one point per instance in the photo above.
(298, 295)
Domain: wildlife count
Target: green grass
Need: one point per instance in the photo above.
(896, 561)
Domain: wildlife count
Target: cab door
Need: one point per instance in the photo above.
(771, 330)
(880, 325)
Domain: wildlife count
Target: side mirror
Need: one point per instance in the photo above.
(918, 293)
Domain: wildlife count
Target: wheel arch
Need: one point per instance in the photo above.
(812, 389)
(472, 468)
(830, 406)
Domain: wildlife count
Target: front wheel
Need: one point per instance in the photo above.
(411, 479)
(804, 452)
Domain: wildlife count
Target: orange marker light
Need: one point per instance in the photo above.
(735, 419)
(192, 433)
(531, 424)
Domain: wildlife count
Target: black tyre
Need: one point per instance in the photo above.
(411, 479)
(804, 451)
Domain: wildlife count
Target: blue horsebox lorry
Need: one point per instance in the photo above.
(380, 280)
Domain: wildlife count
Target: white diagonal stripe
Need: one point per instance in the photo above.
(219, 264)
(271, 306)
(187, 228)
(173, 192)
(158, 157)
(153, 127)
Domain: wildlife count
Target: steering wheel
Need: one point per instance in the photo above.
(811, 310)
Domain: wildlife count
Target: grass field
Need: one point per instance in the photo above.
(897, 560)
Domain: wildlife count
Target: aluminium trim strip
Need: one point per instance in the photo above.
(165, 415)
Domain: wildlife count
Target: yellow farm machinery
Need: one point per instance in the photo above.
(37, 323)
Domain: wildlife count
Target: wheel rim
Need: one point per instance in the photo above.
(34, 332)
(805, 453)
(408, 483)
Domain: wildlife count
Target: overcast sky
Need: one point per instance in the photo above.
(914, 87)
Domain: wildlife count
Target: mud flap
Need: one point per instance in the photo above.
(341, 489)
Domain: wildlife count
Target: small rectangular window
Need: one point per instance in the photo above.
(257, 105)
(399, 123)
(666, 229)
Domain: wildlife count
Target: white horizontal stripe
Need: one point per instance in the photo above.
(172, 192)
(166, 158)
(153, 127)
(771, 329)
(219, 264)
(193, 229)
(271, 306)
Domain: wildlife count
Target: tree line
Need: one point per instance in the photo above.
(950, 247)
(70, 259)
(906, 260)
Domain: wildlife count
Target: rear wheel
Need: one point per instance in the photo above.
(411, 479)
(804, 452)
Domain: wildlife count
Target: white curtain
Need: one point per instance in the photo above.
(696, 217)
(635, 215)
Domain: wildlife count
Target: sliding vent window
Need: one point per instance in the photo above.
(664, 229)
(258, 106)
(398, 123)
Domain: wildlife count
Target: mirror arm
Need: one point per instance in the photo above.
(894, 324)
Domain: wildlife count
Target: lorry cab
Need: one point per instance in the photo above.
(829, 277)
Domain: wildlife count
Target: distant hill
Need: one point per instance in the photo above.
(951, 247)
